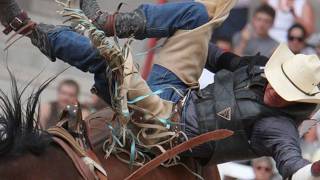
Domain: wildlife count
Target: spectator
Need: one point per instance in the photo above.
(297, 40)
(237, 19)
(255, 37)
(310, 143)
(67, 94)
(263, 168)
(288, 13)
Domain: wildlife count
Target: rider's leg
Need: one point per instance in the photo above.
(58, 42)
(185, 53)
(161, 78)
(148, 20)
(188, 49)
(163, 21)
(280, 139)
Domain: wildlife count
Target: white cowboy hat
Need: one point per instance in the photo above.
(294, 77)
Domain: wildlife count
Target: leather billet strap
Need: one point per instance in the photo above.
(77, 154)
(82, 168)
(61, 133)
(203, 138)
(18, 22)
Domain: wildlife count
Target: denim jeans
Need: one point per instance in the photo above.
(162, 21)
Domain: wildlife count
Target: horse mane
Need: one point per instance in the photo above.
(19, 128)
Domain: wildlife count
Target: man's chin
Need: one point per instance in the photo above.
(269, 101)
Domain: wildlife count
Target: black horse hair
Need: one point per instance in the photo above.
(19, 127)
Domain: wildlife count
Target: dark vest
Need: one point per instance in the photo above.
(54, 115)
(235, 102)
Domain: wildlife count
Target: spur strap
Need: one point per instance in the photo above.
(109, 26)
(16, 23)
(203, 138)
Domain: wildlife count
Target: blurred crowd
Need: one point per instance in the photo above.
(272, 22)
(244, 33)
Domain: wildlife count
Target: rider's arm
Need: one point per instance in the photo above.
(217, 59)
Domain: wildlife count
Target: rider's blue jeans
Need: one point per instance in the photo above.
(162, 21)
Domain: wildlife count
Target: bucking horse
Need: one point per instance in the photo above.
(27, 152)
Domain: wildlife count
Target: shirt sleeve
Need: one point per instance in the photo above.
(278, 137)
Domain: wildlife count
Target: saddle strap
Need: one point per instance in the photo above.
(79, 156)
(65, 135)
(203, 138)
(82, 168)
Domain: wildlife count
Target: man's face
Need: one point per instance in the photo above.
(296, 40)
(262, 23)
(272, 98)
(262, 171)
(67, 95)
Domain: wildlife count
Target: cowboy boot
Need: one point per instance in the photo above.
(308, 172)
(13, 18)
(123, 25)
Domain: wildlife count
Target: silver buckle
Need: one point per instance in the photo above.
(16, 19)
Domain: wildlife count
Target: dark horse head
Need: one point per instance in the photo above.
(19, 130)
(27, 152)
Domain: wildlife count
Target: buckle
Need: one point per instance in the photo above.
(16, 23)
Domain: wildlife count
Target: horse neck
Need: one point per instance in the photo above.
(53, 163)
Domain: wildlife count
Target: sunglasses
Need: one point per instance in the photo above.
(260, 168)
(292, 38)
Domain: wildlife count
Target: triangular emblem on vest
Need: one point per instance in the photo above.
(225, 114)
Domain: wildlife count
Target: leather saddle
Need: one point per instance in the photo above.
(72, 134)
